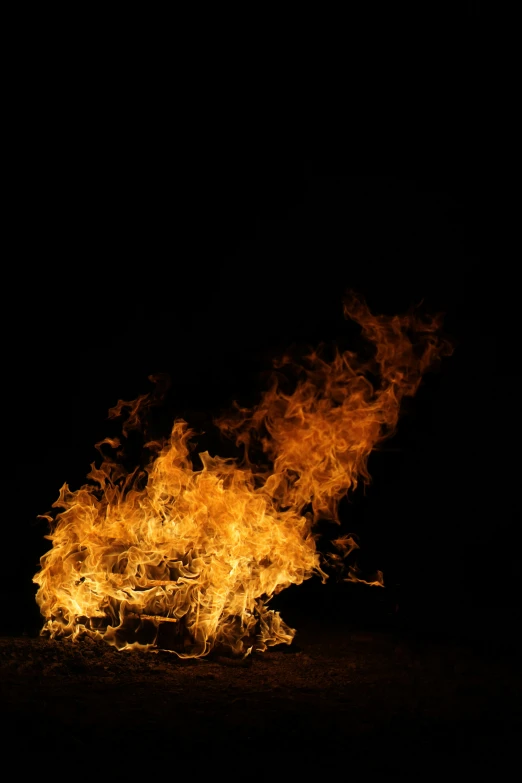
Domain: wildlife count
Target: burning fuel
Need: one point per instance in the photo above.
(189, 558)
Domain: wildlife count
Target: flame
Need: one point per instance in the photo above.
(195, 555)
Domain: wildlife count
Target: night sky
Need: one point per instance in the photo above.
(210, 274)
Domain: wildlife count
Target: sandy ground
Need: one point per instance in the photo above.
(338, 698)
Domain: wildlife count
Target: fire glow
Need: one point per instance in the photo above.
(194, 555)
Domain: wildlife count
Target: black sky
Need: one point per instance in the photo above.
(208, 276)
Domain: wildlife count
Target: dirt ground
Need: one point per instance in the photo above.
(338, 699)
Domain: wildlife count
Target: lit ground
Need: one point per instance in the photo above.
(338, 698)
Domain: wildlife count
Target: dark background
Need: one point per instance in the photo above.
(207, 272)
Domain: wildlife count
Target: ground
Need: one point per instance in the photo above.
(339, 698)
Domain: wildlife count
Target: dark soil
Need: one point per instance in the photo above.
(338, 698)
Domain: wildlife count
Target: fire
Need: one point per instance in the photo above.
(191, 557)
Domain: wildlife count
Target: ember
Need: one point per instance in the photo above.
(188, 559)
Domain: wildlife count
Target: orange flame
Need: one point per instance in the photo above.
(203, 551)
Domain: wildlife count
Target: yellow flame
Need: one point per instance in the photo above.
(203, 551)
